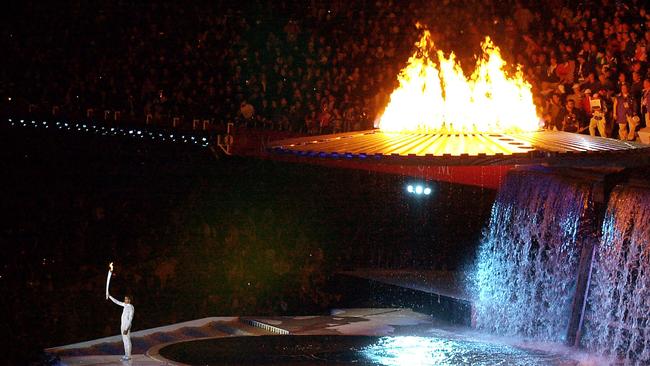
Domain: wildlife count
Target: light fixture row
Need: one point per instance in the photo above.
(114, 131)
(418, 189)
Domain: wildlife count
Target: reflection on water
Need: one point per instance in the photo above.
(394, 351)
(438, 347)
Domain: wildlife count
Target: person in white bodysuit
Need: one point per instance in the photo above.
(125, 327)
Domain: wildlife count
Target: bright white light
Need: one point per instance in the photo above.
(427, 191)
(418, 190)
(9, 99)
(409, 188)
(398, 351)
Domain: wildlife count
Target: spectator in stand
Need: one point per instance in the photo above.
(590, 82)
(598, 116)
(626, 114)
(585, 103)
(622, 80)
(337, 121)
(220, 53)
(571, 119)
(582, 68)
(551, 80)
(577, 96)
(553, 108)
(637, 85)
(247, 112)
(565, 70)
(645, 102)
(325, 120)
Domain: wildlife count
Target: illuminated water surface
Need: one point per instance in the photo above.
(441, 351)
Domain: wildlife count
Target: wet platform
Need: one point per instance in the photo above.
(147, 343)
(361, 336)
(443, 295)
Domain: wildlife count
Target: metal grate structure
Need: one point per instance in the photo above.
(466, 149)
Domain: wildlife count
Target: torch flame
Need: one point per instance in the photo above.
(111, 266)
(438, 97)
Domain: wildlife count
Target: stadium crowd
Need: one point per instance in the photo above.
(302, 66)
(315, 66)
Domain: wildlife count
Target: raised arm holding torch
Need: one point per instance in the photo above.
(127, 316)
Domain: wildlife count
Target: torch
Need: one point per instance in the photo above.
(108, 278)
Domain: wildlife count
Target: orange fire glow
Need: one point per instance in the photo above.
(434, 95)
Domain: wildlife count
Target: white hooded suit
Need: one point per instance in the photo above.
(127, 317)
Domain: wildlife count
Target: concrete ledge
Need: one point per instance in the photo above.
(143, 333)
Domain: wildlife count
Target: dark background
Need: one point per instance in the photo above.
(194, 236)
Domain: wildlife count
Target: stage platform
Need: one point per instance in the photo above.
(466, 149)
(476, 159)
(146, 343)
(413, 303)
(397, 336)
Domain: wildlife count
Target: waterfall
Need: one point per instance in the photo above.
(524, 280)
(619, 299)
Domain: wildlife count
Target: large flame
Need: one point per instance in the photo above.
(438, 97)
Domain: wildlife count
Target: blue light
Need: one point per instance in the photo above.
(409, 188)
(427, 191)
(418, 190)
